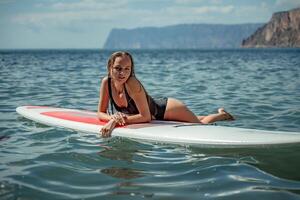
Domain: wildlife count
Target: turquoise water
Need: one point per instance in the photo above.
(260, 87)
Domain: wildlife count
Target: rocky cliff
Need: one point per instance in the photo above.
(185, 36)
(283, 30)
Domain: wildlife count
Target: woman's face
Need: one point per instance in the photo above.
(121, 69)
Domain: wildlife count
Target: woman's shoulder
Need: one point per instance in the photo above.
(134, 85)
(104, 80)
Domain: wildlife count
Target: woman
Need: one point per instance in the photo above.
(127, 95)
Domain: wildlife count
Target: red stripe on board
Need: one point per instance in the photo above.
(74, 116)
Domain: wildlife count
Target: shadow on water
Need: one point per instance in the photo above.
(124, 173)
(117, 149)
(123, 153)
(4, 137)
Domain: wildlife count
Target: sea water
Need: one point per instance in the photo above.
(260, 87)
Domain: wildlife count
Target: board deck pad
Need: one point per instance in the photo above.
(160, 131)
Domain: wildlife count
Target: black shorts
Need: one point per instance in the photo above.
(158, 108)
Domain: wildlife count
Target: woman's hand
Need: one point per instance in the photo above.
(119, 118)
(108, 128)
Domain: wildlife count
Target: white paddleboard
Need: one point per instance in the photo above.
(160, 131)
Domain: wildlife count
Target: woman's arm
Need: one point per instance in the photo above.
(138, 95)
(103, 101)
(112, 120)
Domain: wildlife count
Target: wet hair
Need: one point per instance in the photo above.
(113, 57)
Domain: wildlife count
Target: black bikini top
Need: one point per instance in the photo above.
(131, 107)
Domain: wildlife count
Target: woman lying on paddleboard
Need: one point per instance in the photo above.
(133, 104)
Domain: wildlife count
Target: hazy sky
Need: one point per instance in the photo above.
(87, 23)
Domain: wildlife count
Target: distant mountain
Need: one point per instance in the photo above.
(185, 36)
(283, 30)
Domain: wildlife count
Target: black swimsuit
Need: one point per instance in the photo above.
(157, 107)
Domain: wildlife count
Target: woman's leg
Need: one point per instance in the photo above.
(177, 111)
(220, 116)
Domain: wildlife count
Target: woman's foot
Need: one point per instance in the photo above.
(227, 116)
